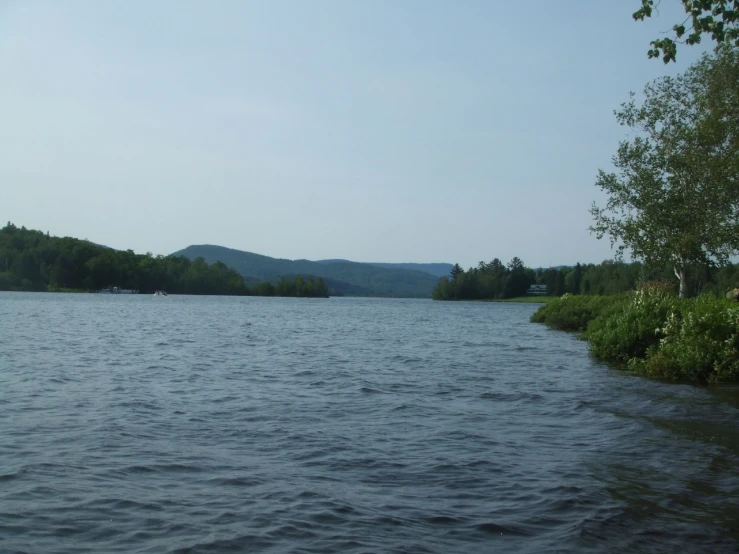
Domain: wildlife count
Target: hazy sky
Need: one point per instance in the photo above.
(373, 130)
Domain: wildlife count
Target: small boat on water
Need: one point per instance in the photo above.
(160, 293)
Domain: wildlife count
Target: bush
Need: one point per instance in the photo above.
(699, 342)
(634, 327)
(654, 333)
(574, 313)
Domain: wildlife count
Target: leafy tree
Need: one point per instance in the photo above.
(675, 198)
(719, 18)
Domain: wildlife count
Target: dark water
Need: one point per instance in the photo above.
(183, 424)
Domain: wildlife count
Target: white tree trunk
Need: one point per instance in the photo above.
(679, 270)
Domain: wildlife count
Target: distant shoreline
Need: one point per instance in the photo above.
(524, 299)
(515, 300)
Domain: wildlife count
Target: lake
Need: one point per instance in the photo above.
(214, 424)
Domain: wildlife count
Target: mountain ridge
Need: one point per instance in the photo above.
(344, 277)
(437, 269)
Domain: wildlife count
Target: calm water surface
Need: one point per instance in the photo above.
(211, 424)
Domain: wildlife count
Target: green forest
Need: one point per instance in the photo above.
(35, 261)
(495, 280)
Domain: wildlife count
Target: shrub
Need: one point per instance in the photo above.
(700, 342)
(634, 327)
(654, 333)
(574, 313)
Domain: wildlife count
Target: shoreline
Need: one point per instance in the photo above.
(653, 333)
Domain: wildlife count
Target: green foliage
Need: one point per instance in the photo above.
(675, 197)
(34, 261)
(718, 18)
(301, 287)
(574, 313)
(486, 281)
(698, 342)
(653, 332)
(490, 281)
(629, 331)
(456, 271)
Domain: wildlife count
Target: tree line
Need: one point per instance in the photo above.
(673, 199)
(35, 261)
(496, 280)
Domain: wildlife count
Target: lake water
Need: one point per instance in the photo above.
(212, 424)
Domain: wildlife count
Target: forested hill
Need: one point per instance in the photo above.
(342, 277)
(437, 269)
(35, 261)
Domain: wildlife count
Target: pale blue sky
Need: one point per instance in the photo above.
(405, 130)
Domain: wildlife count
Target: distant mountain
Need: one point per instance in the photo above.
(437, 269)
(342, 277)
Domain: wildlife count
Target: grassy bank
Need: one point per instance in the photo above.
(652, 332)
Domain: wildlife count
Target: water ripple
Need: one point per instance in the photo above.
(345, 425)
